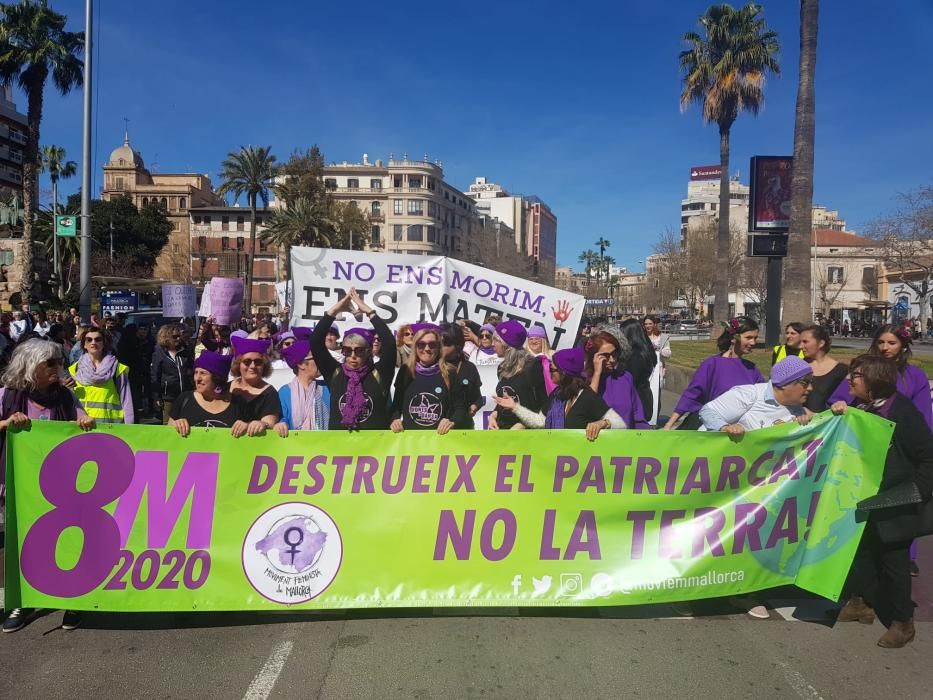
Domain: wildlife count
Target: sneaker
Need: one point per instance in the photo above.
(914, 569)
(71, 620)
(759, 612)
(750, 606)
(16, 619)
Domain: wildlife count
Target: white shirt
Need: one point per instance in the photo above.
(752, 406)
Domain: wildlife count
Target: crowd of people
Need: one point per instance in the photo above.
(257, 378)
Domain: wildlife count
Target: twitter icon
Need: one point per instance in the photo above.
(542, 585)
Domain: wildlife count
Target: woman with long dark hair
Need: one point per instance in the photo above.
(452, 348)
(719, 373)
(606, 361)
(520, 375)
(572, 404)
(642, 362)
(880, 577)
(828, 374)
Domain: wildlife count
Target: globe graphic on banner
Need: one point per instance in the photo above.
(294, 544)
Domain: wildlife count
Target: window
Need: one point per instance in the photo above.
(183, 203)
(397, 181)
(432, 234)
(224, 223)
(415, 207)
(415, 233)
(6, 257)
(869, 282)
(202, 243)
(330, 183)
(240, 223)
(432, 209)
(836, 275)
(375, 183)
(397, 206)
(414, 181)
(377, 209)
(353, 183)
(263, 245)
(397, 232)
(225, 243)
(118, 183)
(176, 248)
(375, 235)
(240, 242)
(259, 221)
(197, 219)
(164, 202)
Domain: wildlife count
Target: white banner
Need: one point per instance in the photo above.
(413, 288)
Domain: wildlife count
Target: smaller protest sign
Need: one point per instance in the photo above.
(226, 300)
(178, 300)
(204, 311)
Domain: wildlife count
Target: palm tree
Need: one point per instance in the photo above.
(250, 171)
(724, 71)
(590, 260)
(797, 295)
(34, 44)
(52, 161)
(302, 222)
(69, 246)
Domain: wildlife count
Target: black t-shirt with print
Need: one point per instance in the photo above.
(526, 387)
(187, 407)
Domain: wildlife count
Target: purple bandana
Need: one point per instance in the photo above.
(355, 396)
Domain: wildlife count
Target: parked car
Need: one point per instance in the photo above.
(689, 326)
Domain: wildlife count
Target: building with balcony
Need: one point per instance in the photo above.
(703, 195)
(12, 142)
(126, 175)
(220, 248)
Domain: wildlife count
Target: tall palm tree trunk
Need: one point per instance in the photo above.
(723, 239)
(798, 293)
(248, 292)
(30, 160)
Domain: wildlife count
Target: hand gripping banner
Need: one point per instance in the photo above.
(137, 518)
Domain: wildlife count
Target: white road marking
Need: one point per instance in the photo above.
(264, 681)
(799, 684)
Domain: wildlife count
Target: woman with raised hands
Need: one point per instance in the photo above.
(607, 352)
(258, 400)
(102, 382)
(572, 404)
(305, 400)
(210, 404)
(520, 375)
(719, 373)
(427, 395)
(359, 387)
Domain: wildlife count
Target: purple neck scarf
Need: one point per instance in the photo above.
(427, 370)
(89, 375)
(881, 407)
(555, 415)
(487, 351)
(355, 398)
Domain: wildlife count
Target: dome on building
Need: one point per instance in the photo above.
(125, 155)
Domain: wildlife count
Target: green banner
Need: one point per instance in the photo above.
(137, 518)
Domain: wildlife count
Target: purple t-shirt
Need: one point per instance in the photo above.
(713, 378)
(618, 391)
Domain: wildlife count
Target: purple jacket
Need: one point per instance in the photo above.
(618, 391)
(912, 383)
(713, 378)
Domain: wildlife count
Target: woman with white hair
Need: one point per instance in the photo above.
(520, 375)
(32, 390)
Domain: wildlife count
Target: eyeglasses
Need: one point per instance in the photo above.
(803, 382)
(485, 335)
(95, 339)
(258, 361)
(407, 333)
(606, 355)
(856, 375)
(427, 345)
(358, 351)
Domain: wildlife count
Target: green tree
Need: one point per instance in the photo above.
(724, 71)
(797, 294)
(300, 222)
(34, 45)
(250, 171)
(52, 160)
(590, 262)
(351, 225)
(302, 175)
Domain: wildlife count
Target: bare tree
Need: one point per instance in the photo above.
(830, 288)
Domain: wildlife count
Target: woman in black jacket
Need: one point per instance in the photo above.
(641, 362)
(880, 577)
(359, 387)
(172, 371)
(467, 375)
(427, 394)
(520, 375)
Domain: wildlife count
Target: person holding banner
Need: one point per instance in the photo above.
(359, 388)
(210, 404)
(32, 390)
(102, 383)
(467, 374)
(305, 401)
(719, 373)
(573, 405)
(879, 580)
(259, 401)
(520, 375)
(427, 395)
(607, 355)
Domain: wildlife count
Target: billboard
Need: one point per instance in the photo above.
(705, 172)
(118, 302)
(769, 206)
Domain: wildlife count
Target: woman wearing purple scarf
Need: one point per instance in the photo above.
(572, 404)
(607, 355)
(427, 393)
(359, 387)
(102, 384)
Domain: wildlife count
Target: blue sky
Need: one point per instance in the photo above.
(574, 102)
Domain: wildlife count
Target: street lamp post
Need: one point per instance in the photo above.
(85, 302)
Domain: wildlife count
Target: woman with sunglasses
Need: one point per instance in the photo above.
(210, 404)
(879, 581)
(520, 375)
(719, 373)
(452, 349)
(405, 342)
(305, 401)
(32, 390)
(259, 401)
(573, 405)
(538, 345)
(359, 387)
(171, 371)
(102, 383)
(607, 353)
(427, 395)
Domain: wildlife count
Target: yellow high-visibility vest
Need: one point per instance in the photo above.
(102, 403)
(780, 352)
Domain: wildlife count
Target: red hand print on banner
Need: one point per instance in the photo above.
(562, 312)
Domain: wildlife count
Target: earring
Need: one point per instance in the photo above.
(218, 390)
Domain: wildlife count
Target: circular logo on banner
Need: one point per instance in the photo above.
(425, 409)
(292, 553)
